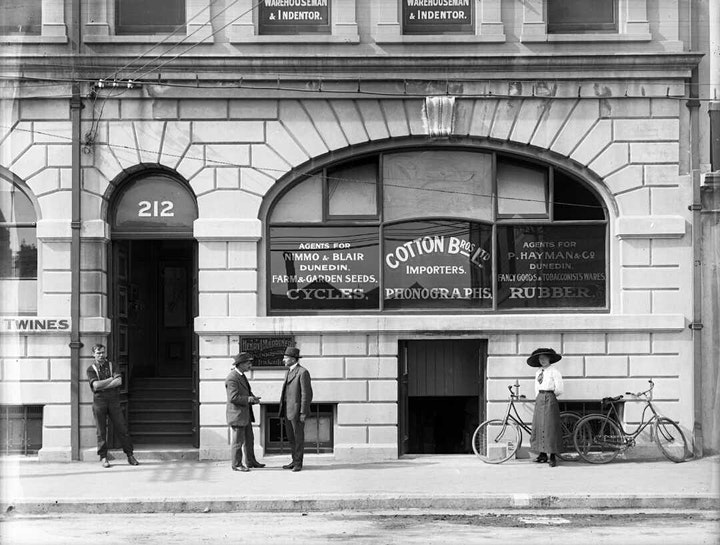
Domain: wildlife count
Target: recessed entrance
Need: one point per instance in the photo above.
(153, 300)
(440, 395)
(155, 338)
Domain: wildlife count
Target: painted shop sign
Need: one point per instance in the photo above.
(34, 324)
(437, 16)
(437, 264)
(433, 264)
(267, 351)
(324, 268)
(294, 16)
(551, 266)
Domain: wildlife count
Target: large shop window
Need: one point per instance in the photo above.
(437, 230)
(18, 251)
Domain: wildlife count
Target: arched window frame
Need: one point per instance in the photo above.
(543, 160)
(19, 285)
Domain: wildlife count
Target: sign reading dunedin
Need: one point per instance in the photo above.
(324, 268)
(543, 266)
(437, 264)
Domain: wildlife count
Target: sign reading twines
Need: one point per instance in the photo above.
(294, 16)
(437, 16)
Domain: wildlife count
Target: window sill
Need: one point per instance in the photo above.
(297, 39)
(566, 38)
(145, 39)
(34, 39)
(440, 39)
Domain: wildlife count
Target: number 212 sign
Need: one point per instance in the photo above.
(155, 209)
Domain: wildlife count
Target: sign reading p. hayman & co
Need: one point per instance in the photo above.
(294, 16)
(437, 16)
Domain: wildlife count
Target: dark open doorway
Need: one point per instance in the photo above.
(440, 395)
(153, 339)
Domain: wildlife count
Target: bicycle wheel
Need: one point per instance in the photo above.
(670, 439)
(598, 440)
(494, 442)
(568, 421)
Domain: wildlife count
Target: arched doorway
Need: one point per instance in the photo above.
(153, 300)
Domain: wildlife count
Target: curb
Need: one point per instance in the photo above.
(362, 503)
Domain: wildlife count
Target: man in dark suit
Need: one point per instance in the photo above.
(240, 417)
(295, 405)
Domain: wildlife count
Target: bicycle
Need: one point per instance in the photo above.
(497, 440)
(599, 438)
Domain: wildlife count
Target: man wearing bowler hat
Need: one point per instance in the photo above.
(295, 405)
(240, 417)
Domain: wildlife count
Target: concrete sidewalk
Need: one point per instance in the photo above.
(459, 482)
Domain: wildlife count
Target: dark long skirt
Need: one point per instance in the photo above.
(546, 433)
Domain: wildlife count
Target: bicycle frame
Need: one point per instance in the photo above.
(630, 436)
(516, 418)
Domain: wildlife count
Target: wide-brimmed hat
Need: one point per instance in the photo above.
(293, 352)
(242, 357)
(534, 359)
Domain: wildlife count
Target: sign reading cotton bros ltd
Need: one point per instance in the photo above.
(437, 264)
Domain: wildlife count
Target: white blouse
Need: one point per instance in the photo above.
(552, 380)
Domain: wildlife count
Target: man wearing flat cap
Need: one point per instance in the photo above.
(240, 417)
(295, 405)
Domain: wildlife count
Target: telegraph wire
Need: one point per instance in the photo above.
(158, 44)
(249, 10)
(186, 38)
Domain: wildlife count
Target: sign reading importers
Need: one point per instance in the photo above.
(308, 15)
(437, 16)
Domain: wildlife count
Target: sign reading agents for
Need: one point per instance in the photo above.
(551, 266)
(434, 264)
(437, 16)
(324, 268)
(294, 16)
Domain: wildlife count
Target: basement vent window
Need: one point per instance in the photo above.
(21, 429)
(318, 430)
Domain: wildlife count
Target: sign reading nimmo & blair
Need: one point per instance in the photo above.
(294, 16)
(324, 268)
(437, 16)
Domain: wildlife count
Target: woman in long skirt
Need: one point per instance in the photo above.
(546, 436)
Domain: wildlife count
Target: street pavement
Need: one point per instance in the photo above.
(459, 482)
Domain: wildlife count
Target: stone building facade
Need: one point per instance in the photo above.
(188, 165)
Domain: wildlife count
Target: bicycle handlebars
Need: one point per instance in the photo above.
(645, 393)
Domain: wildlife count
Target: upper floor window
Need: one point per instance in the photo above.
(33, 21)
(144, 17)
(18, 251)
(437, 229)
(21, 18)
(582, 16)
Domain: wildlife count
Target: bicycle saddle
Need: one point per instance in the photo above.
(606, 400)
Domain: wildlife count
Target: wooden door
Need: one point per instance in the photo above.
(119, 350)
